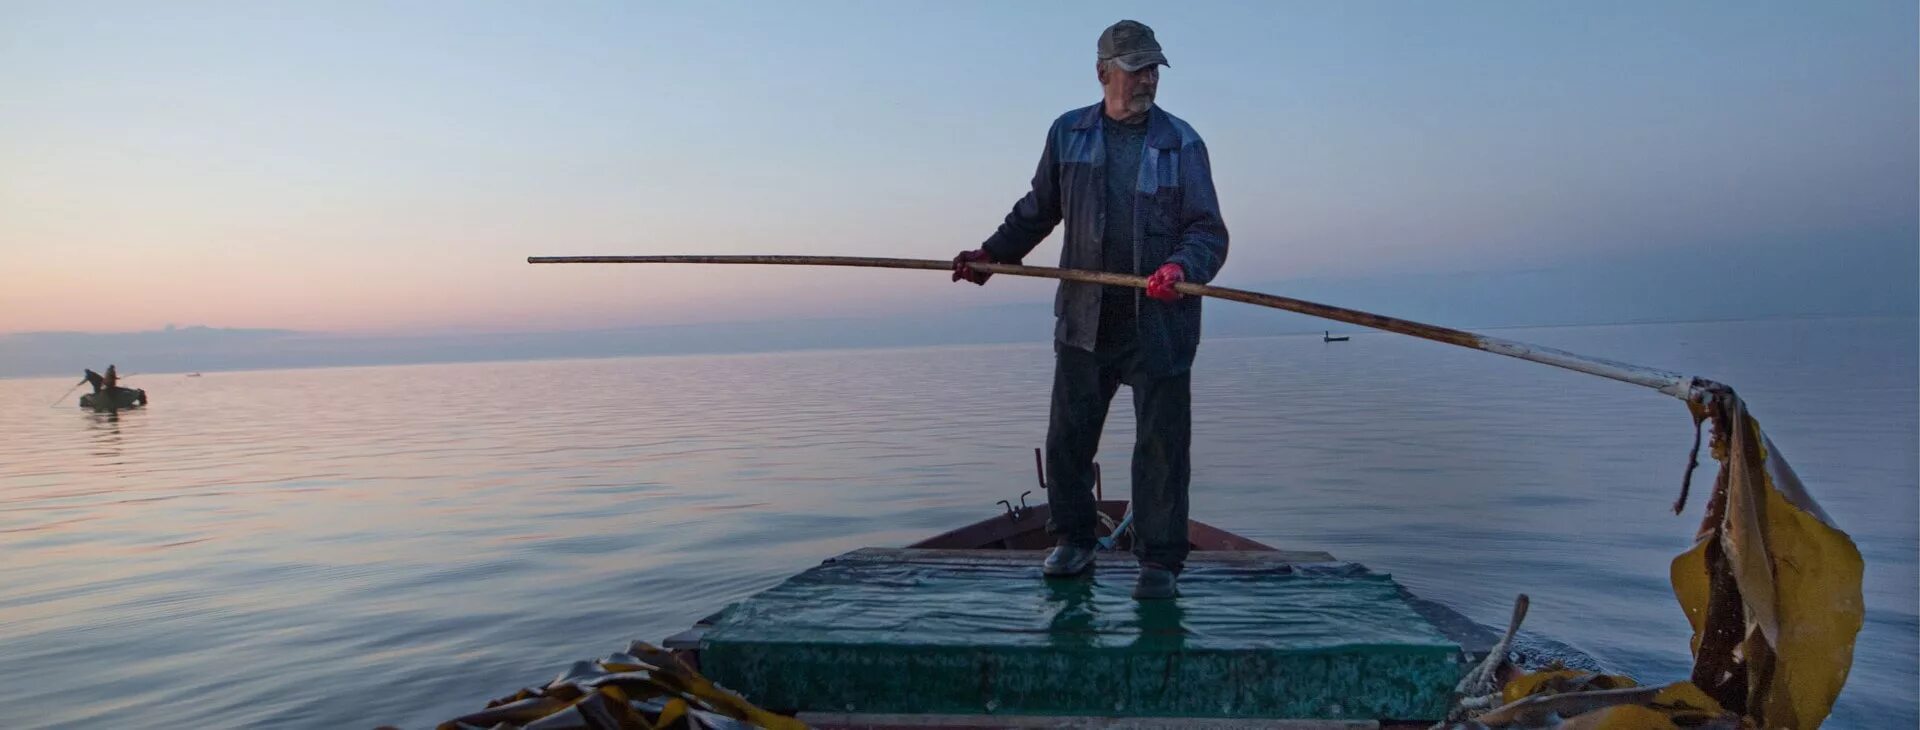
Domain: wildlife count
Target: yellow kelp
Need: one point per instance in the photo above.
(1555, 680)
(1772, 587)
(645, 688)
(1565, 699)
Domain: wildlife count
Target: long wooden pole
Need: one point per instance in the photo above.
(63, 396)
(1674, 384)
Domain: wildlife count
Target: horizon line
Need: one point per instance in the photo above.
(1021, 343)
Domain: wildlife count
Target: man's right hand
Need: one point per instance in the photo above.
(962, 270)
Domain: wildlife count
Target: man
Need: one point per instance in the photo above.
(1135, 187)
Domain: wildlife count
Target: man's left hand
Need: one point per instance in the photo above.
(963, 272)
(1160, 284)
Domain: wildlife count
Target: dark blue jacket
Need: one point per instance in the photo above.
(1176, 217)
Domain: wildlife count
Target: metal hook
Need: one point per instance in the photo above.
(1010, 513)
(1023, 500)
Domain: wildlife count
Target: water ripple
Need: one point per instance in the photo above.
(399, 544)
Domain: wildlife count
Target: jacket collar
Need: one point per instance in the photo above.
(1160, 131)
(1087, 117)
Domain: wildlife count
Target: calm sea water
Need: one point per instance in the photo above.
(347, 547)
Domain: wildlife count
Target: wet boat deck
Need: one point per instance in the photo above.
(1255, 634)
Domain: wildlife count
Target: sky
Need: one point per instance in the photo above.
(383, 169)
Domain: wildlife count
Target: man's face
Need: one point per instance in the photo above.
(1130, 90)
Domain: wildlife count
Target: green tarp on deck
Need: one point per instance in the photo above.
(963, 632)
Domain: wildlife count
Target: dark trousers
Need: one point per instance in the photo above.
(1083, 386)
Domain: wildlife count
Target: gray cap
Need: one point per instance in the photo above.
(1131, 43)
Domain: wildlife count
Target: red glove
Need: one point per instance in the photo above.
(962, 271)
(1160, 284)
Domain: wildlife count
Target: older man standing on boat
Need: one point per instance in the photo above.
(1135, 188)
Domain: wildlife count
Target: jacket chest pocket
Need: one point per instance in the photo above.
(1161, 214)
(1159, 191)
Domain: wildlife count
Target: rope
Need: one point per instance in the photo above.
(1480, 689)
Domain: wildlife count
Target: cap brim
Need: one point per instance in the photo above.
(1136, 61)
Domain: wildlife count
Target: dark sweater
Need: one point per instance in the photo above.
(1123, 145)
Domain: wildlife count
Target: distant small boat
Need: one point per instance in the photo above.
(1327, 336)
(193, 375)
(122, 398)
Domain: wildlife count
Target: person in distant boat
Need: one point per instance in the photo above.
(111, 381)
(1135, 188)
(95, 380)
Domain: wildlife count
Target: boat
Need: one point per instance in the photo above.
(1327, 336)
(123, 398)
(980, 639)
(961, 630)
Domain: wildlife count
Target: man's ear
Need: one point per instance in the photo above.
(1100, 72)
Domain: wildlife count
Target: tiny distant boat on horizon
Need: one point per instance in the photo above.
(1328, 336)
(122, 398)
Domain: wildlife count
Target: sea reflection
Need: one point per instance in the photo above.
(399, 544)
